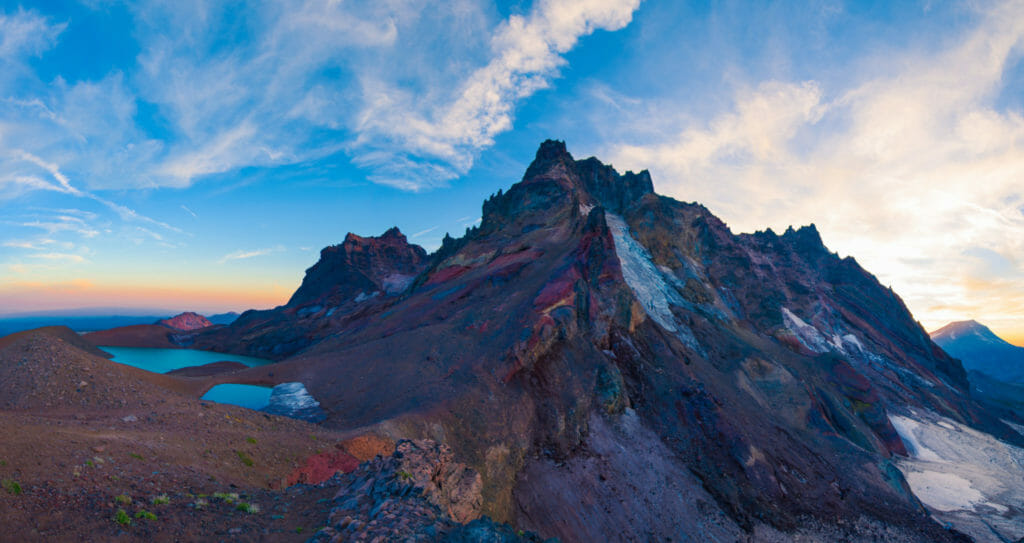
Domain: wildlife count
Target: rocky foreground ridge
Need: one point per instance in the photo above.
(590, 328)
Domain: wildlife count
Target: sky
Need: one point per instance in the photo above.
(198, 155)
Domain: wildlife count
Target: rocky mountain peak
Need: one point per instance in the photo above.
(555, 179)
(960, 329)
(385, 263)
(550, 154)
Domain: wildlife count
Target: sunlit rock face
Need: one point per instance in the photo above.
(589, 323)
(186, 322)
(361, 265)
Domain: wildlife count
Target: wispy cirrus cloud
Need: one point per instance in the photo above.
(26, 33)
(243, 255)
(69, 257)
(373, 82)
(412, 144)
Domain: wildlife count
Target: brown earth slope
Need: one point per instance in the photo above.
(136, 335)
(84, 437)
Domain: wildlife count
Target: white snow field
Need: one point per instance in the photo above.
(648, 284)
(966, 478)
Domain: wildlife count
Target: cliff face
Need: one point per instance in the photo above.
(349, 280)
(590, 327)
(384, 264)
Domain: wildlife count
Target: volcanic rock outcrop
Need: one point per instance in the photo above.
(417, 494)
(186, 322)
(346, 282)
(589, 323)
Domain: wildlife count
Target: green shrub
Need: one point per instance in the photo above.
(228, 498)
(161, 500)
(244, 458)
(143, 514)
(250, 508)
(123, 499)
(251, 439)
(122, 518)
(12, 486)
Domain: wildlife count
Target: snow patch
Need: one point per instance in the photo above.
(808, 335)
(293, 400)
(1016, 427)
(648, 282)
(943, 491)
(362, 296)
(965, 477)
(905, 427)
(396, 283)
(852, 340)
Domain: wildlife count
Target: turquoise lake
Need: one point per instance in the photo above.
(251, 396)
(165, 360)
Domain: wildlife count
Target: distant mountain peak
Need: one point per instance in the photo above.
(957, 329)
(980, 349)
(186, 321)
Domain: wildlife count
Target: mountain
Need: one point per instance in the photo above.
(169, 333)
(345, 283)
(223, 318)
(616, 363)
(981, 350)
(185, 322)
(10, 325)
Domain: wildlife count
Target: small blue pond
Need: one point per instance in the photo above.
(165, 360)
(251, 396)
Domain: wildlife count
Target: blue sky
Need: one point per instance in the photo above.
(197, 155)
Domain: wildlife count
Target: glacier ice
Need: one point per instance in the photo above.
(648, 283)
(964, 477)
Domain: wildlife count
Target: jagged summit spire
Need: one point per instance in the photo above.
(600, 181)
(550, 153)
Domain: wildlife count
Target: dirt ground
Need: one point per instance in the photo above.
(83, 438)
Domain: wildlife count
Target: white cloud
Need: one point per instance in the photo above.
(525, 56)
(375, 80)
(909, 170)
(423, 232)
(60, 256)
(26, 33)
(242, 255)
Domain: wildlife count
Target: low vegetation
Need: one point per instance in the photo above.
(12, 486)
(245, 458)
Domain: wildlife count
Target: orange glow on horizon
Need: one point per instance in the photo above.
(32, 296)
